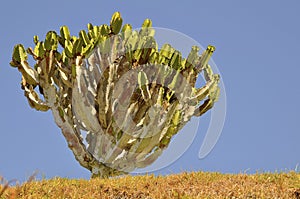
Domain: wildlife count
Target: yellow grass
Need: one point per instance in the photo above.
(184, 185)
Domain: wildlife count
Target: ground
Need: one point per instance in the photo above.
(184, 185)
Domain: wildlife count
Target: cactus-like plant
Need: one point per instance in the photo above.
(114, 83)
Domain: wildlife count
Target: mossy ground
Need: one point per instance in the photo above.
(184, 185)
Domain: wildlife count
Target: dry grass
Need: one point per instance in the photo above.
(185, 185)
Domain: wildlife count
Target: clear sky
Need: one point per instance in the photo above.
(258, 55)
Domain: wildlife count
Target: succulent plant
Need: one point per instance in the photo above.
(114, 83)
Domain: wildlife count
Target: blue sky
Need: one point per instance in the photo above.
(258, 47)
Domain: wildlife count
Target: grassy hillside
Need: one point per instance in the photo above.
(185, 185)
